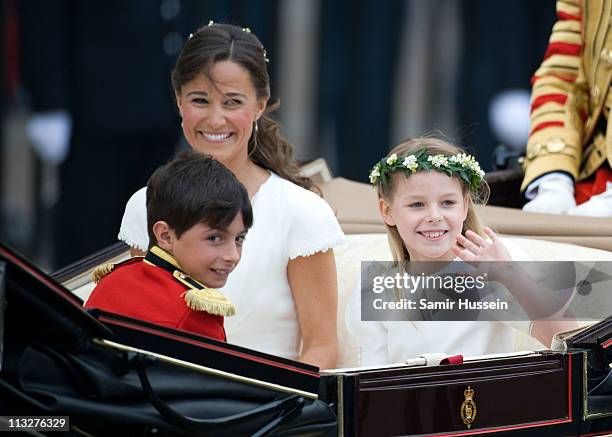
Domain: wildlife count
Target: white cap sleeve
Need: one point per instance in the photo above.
(133, 229)
(314, 227)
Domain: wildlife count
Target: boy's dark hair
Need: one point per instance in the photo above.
(195, 188)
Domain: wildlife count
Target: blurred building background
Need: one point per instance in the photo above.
(354, 77)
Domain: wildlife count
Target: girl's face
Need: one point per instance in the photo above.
(429, 209)
(218, 114)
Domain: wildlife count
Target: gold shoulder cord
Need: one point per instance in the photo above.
(198, 297)
(101, 271)
(201, 298)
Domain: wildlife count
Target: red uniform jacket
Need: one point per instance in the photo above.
(147, 292)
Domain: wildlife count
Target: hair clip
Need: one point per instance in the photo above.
(210, 23)
(265, 56)
(246, 29)
(190, 36)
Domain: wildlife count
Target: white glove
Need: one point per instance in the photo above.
(554, 194)
(597, 206)
(49, 133)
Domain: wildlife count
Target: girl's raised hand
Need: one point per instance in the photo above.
(476, 248)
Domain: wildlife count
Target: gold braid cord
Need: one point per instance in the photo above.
(101, 271)
(203, 298)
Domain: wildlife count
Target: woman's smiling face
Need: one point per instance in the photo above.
(219, 113)
(428, 209)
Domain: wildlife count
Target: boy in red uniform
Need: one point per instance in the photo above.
(198, 214)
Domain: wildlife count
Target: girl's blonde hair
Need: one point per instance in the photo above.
(432, 146)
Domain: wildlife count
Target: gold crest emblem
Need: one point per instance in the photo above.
(468, 408)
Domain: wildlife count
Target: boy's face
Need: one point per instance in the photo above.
(209, 255)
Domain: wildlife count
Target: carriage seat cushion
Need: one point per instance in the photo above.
(374, 247)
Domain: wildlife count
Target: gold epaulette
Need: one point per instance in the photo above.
(101, 271)
(104, 269)
(201, 298)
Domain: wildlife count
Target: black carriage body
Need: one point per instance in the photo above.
(116, 375)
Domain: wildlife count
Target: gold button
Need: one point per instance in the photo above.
(595, 92)
(533, 150)
(606, 57)
(555, 145)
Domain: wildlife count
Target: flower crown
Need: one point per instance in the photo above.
(463, 165)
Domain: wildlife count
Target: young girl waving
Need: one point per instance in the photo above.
(427, 190)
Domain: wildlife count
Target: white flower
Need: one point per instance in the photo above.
(462, 159)
(392, 159)
(375, 174)
(475, 167)
(410, 162)
(438, 160)
(468, 161)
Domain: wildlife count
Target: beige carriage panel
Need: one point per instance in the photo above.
(355, 204)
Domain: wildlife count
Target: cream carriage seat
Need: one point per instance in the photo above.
(374, 247)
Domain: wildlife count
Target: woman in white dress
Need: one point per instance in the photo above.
(284, 288)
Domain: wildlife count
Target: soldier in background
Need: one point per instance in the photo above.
(569, 152)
